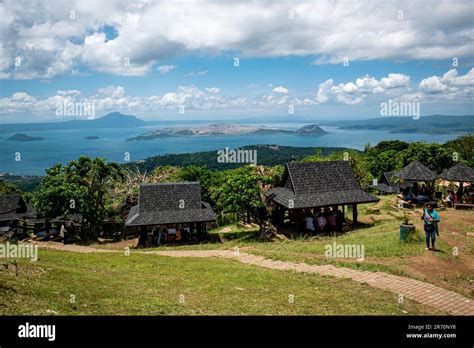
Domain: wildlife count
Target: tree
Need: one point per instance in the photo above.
(96, 176)
(204, 176)
(382, 157)
(8, 189)
(385, 161)
(435, 156)
(357, 160)
(385, 145)
(464, 147)
(81, 187)
(238, 191)
(56, 195)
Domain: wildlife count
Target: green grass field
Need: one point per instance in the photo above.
(382, 246)
(115, 284)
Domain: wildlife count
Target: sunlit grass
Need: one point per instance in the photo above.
(115, 284)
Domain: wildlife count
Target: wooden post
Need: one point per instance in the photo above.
(199, 230)
(143, 236)
(354, 215)
(297, 220)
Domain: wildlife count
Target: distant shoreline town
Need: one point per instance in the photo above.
(434, 124)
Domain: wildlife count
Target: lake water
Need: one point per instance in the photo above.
(62, 146)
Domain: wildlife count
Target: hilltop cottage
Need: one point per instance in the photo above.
(12, 209)
(171, 211)
(386, 184)
(318, 185)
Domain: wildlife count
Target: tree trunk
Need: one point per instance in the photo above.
(269, 227)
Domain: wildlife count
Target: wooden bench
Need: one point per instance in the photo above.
(463, 206)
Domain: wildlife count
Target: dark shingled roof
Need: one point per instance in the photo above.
(416, 171)
(386, 184)
(387, 177)
(159, 204)
(386, 188)
(319, 184)
(12, 207)
(458, 172)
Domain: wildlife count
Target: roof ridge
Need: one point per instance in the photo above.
(169, 183)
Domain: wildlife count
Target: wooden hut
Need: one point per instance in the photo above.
(318, 185)
(386, 184)
(171, 203)
(12, 209)
(417, 171)
(462, 174)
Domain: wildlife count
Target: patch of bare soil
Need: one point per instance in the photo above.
(131, 243)
(443, 267)
(69, 247)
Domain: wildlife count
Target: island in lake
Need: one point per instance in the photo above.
(225, 129)
(24, 137)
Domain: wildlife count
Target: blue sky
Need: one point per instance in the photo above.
(120, 57)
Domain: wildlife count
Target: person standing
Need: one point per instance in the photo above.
(309, 222)
(62, 232)
(430, 224)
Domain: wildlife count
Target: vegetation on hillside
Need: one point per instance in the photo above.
(268, 155)
(95, 189)
(81, 187)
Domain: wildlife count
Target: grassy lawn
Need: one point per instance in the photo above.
(115, 284)
(112, 283)
(383, 250)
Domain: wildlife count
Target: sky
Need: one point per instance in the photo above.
(219, 60)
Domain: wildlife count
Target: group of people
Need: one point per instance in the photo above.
(321, 221)
(50, 232)
(163, 234)
(417, 194)
(462, 196)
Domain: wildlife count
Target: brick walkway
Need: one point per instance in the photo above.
(425, 293)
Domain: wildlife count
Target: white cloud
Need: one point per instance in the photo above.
(52, 43)
(355, 93)
(280, 89)
(164, 69)
(213, 90)
(448, 87)
(111, 91)
(432, 84)
(434, 89)
(73, 92)
(450, 81)
(349, 88)
(395, 81)
(197, 73)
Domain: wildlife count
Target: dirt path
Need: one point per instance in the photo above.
(425, 293)
(72, 247)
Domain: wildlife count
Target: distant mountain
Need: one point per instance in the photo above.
(312, 129)
(112, 120)
(224, 129)
(436, 124)
(24, 137)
